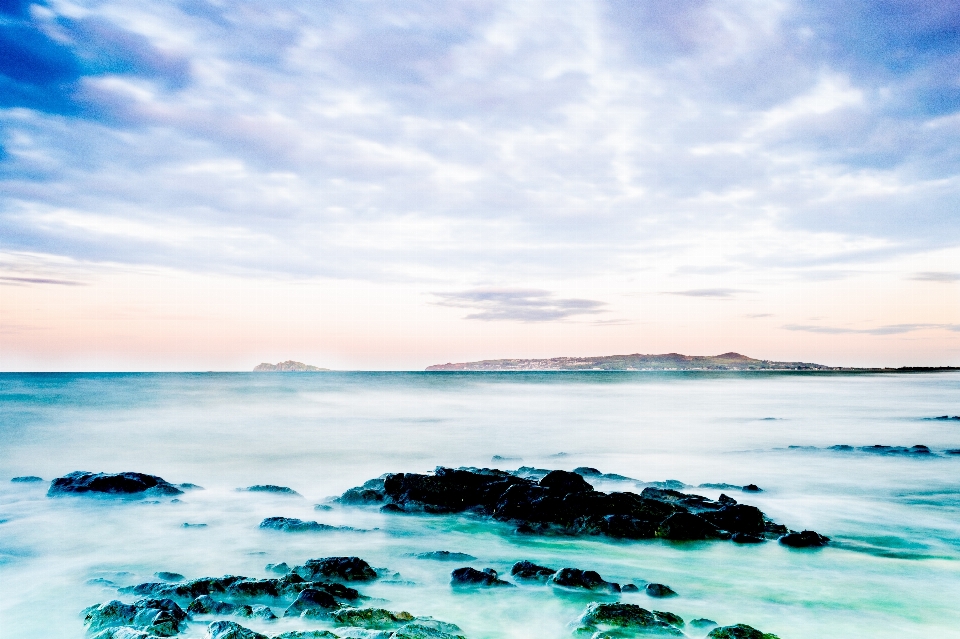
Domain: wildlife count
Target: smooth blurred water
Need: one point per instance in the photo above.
(893, 570)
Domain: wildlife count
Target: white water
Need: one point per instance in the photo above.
(893, 570)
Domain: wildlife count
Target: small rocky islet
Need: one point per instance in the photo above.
(322, 590)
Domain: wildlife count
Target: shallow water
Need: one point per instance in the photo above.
(892, 571)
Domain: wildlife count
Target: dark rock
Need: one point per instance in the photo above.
(920, 449)
(255, 589)
(586, 471)
(752, 488)
(337, 569)
(669, 484)
(231, 630)
(169, 576)
(159, 617)
(739, 631)
(112, 613)
(311, 600)
(290, 524)
(585, 579)
(805, 539)
(472, 577)
(841, 448)
(80, 482)
(726, 500)
(281, 568)
(529, 570)
(207, 605)
(660, 590)
(255, 611)
(744, 538)
(945, 417)
(27, 479)
(270, 488)
(952, 451)
(737, 518)
(687, 527)
(703, 623)
(307, 634)
(188, 525)
(121, 632)
(628, 617)
(372, 618)
(629, 588)
(563, 483)
(427, 628)
(362, 497)
(445, 555)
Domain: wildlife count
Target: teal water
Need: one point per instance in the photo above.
(892, 571)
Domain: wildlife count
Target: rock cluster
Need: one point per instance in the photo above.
(81, 482)
(565, 502)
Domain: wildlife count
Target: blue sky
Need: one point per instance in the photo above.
(600, 173)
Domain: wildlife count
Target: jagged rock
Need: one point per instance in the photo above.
(529, 570)
(629, 588)
(313, 601)
(737, 518)
(629, 617)
(307, 634)
(207, 605)
(563, 483)
(255, 611)
(472, 577)
(270, 488)
(805, 539)
(281, 568)
(371, 618)
(659, 590)
(27, 479)
(169, 576)
(255, 589)
(337, 569)
(112, 613)
(121, 632)
(290, 524)
(726, 500)
(687, 527)
(703, 623)
(586, 579)
(445, 555)
(739, 631)
(752, 488)
(159, 617)
(231, 630)
(425, 628)
(129, 483)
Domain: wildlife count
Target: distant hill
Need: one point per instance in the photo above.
(288, 366)
(670, 361)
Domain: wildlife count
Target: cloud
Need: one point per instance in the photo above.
(38, 280)
(759, 315)
(937, 276)
(890, 329)
(524, 305)
(719, 293)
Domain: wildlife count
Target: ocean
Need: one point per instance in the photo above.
(892, 569)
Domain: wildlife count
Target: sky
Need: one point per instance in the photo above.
(206, 185)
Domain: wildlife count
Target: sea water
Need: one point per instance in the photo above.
(891, 570)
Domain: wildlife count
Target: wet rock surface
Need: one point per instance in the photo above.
(739, 631)
(584, 579)
(625, 619)
(564, 502)
(311, 602)
(128, 483)
(158, 617)
(445, 555)
(337, 569)
(659, 590)
(804, 539)
(231, 630)
(468, 576)
(529, 570)
(290, 524)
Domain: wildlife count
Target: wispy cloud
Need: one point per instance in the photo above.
(38, 280)
(524, 305)
(937, 276)
(889, 329)
(718, 293)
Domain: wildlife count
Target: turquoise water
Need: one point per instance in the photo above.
(892, 571)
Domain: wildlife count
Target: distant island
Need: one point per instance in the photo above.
(635, 362)
(288, 366)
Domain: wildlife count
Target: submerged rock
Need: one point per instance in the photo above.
(270, 488)
(129, 483)
(425, 628)
(703, 623)
(805, 539)
(281, 568)
(121, 632)
(231, 630)
(628, 617)
(256, 611)
(540, 501)
(313, 602)
(307, 634)
(529, 570)
(290, 524)
(739, 631)
(472, 577)
(27, 479)
(659, 590)
(445, 555)
(371, 618)
(337, 569)
(207, 605)
(585, 579)
(169, 576)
